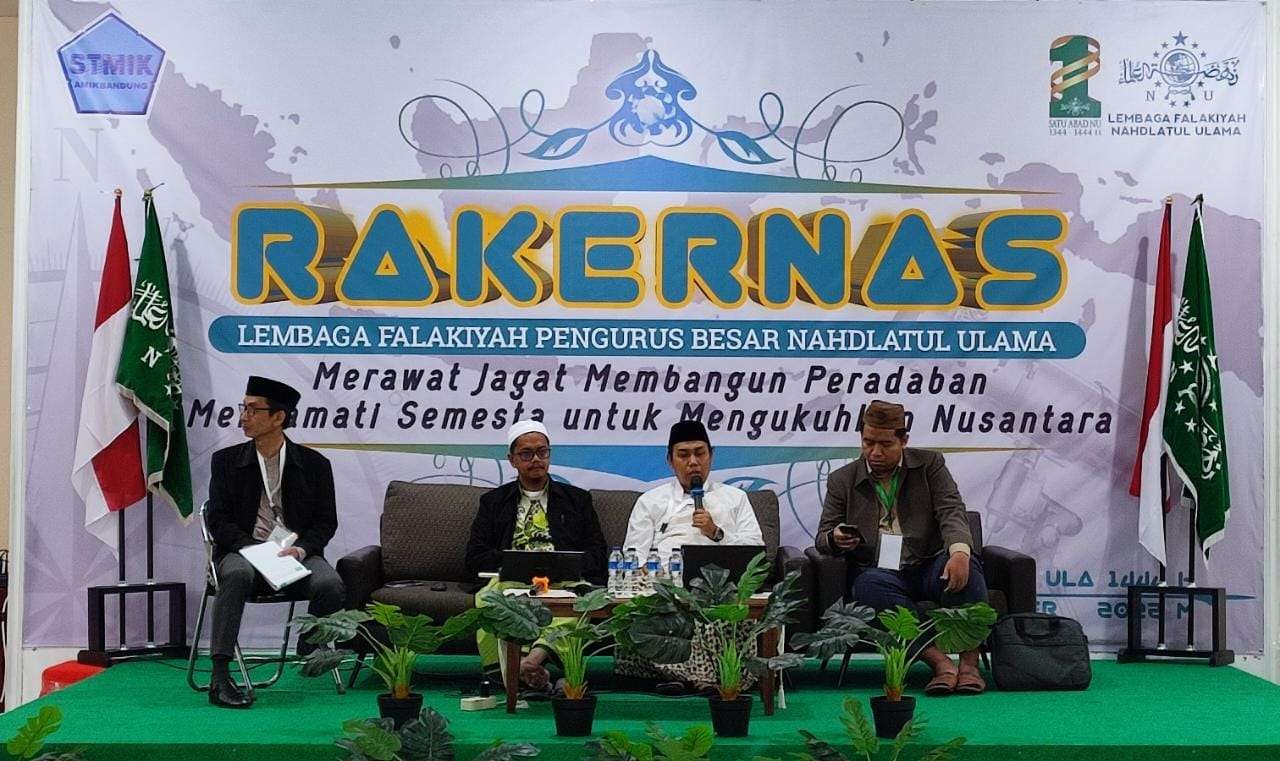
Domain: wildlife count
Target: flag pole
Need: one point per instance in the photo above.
(1164, 530)
(151, 572)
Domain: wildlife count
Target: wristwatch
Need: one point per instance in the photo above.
(719, 535)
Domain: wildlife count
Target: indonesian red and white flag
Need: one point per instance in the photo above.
(1145, 484)
(107, 473)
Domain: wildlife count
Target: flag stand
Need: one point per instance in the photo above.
(98, 653)
(1135, 652)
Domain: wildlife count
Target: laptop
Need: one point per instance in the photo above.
(732, 557)
(523, 565)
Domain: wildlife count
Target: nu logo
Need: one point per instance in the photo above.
(1069, 84)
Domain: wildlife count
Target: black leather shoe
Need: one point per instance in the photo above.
(225, 694)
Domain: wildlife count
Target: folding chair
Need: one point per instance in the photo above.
(242, 661)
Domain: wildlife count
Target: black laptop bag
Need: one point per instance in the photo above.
(1037, 651)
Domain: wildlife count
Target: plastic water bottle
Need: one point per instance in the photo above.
(615, 570)
(631, 571)
(675, 567)
(652, 569)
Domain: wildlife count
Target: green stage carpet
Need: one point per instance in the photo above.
(1138, 712)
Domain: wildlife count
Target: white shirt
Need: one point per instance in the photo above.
(668, 505)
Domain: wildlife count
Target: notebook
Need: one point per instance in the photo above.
(279, 571)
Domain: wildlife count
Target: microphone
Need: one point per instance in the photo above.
(695, 491)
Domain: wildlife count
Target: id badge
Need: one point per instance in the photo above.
(890, 551)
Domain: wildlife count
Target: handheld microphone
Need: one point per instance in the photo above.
(695, 491)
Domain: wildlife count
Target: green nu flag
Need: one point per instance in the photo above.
(1194, 431)
(149, 372)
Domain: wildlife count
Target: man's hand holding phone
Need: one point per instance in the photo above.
(846, 536)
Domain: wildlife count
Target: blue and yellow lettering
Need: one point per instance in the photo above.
(597, 256)
(1019, 250)
(805, 258)
(910, 271)
(280, 243)
(502, 263)
(702, 248)
(388, 265)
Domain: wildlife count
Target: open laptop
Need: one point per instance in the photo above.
(732, 557)
(523, 565)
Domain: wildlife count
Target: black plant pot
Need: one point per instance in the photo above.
(730, 718)
(574, 717)
(892, 715)
(400, 710)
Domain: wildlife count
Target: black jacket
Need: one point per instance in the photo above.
(574, 527)
(306, 497)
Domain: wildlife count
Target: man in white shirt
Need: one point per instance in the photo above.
(665, 517)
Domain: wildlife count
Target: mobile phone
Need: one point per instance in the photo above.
(850, 530)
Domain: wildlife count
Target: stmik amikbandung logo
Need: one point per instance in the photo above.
(1071, 110)
(111, 68)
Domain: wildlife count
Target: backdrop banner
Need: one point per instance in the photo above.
(435, 219)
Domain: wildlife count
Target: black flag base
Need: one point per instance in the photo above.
(1218, 655)
(98, 654)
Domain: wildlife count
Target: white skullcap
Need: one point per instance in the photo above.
(522, 427)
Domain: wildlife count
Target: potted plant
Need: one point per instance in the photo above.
(865, 741)
(662, 626)
(900, 642)
(694, 745)
(426, 737)
(572, 642)
(407, 637)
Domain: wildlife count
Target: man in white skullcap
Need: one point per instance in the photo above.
(533, 512)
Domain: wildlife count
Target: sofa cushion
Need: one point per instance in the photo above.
(425, 528)
(613, 507)
(765, 506)
(421, 598)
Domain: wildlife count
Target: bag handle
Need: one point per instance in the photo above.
(1037, 627)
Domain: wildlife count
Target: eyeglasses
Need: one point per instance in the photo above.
(253, 409)
(529, 455)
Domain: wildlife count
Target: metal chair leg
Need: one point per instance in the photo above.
(244, 673)
(284, 650)
(823, 665)
(844, 668)
(195, 646)
(355, 670)
(337, 682)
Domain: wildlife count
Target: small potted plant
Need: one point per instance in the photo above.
(407, 637)
(573, 642)
(661, 627)
(866, 744)
(426, 737)
(694, 745)
(900, 642)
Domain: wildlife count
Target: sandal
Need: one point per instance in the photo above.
(970, 682)
(942, 684)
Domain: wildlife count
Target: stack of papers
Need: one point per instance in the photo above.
(279, 571)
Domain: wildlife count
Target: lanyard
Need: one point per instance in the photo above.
(888, 495)
(272, 491)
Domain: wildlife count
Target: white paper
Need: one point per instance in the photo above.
(890, 551)
(279, 571)
(550, 593)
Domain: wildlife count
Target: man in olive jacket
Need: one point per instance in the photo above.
(267, 484)
(898, 496)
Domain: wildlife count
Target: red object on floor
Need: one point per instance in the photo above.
(60, 675)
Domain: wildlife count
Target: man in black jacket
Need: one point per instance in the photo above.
(265, 488)
(533, 512)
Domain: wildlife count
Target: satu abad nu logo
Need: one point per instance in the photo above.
(1071, 110)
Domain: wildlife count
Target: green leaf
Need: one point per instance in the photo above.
(784, 602)
(732, 612)
(337, 627)
(613, 746)
(753, 577)
(594, 601)
(323, 661)
(859, 730)
(901, 623)
(759, 666)
(961, 629)
(664, 638)
(910, 731)
(373, 738)
(820, 750)
(698, 740)
(944, 752)
(712, 588)
(519, 619)
(427, 737)
(844, 626)
(386, 614)
(31, 735)
(505, 751)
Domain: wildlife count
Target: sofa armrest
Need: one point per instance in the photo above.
(831, 580)
(1012, 572)
(791, 559)
(361, 573)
